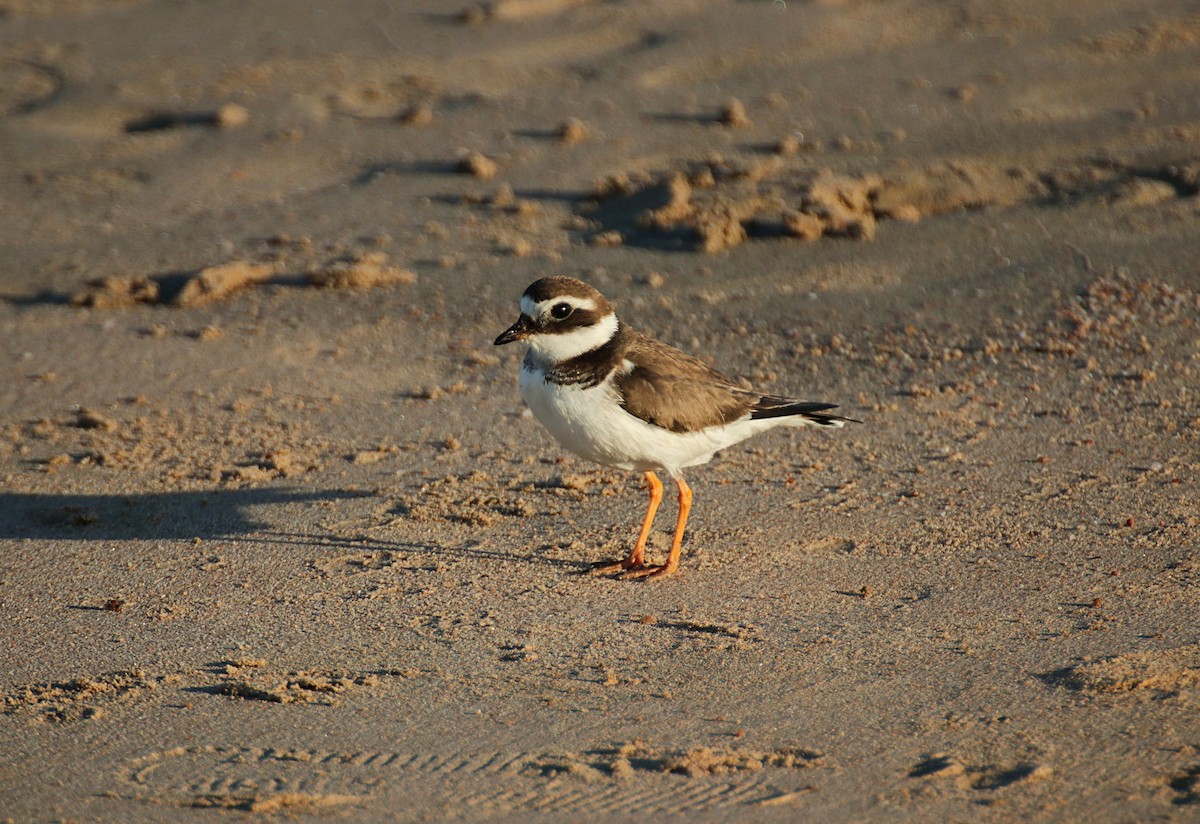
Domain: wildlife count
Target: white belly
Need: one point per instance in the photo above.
(591, 423)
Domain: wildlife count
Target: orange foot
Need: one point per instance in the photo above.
(651, 573)
(624, 566)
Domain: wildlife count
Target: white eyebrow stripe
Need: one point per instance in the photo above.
(536, 310)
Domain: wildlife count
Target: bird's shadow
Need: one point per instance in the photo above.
(150, 515)
(224, 513)
(473, 549)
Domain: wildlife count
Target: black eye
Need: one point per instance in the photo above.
(559, 311)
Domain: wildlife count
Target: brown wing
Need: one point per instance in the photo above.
(676, 391)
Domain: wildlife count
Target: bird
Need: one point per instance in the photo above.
(623, 399)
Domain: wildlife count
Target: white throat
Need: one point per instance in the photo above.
(567, 345)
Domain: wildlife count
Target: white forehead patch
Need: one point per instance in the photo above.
(536, 310)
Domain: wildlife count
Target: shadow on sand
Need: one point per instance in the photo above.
(222, 513)
(153, 515)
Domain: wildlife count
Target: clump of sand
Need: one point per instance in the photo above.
(116, 292)
(208, 285)
(79, 698)
(213, 283)
(624, 761)
(261, 684)
(716, 204)
(478, 165)
(708, 761)
(361, 271)
(1164, 671)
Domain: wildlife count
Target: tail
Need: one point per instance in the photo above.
(808, 413)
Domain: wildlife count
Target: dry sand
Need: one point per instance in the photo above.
(277, 536)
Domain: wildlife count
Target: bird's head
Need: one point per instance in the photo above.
(562, 318)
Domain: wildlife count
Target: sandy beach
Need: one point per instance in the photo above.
(279, 538)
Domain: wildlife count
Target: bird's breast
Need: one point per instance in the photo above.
(589, 421)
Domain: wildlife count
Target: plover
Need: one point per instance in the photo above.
(620, 398)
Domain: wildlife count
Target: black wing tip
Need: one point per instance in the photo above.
(784, 408)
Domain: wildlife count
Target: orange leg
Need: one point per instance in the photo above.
(672, 564)
(637, 556)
